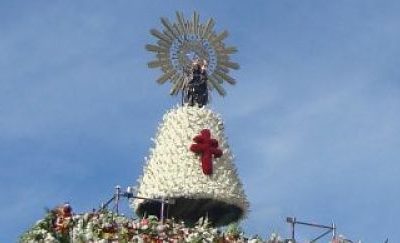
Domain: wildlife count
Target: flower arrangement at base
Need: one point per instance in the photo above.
(60, 225)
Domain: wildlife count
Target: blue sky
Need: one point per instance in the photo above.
(314, 120)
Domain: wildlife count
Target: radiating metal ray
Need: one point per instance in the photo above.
(189, 28)
(217, 86)
(222, 69)
(163, 78)
(161, 36)
(222, 57)
(181, 23)
(169, 27)
(226, 50)
(208, 28)
(226, 77)
(155, 64)
(163, 55)
(177, 30)
(218, 78)
(201, 30)
(177, 86)
(229, 64)
(220, 36)
(195, 20)
(164, 44)
(169, 34)
(155, 48)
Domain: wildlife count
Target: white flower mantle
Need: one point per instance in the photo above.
(172, 170)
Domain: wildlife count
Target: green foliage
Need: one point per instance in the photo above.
(234, 230)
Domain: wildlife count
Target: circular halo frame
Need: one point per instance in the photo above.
(186, 40)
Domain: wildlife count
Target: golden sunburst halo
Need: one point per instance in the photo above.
(179, 43)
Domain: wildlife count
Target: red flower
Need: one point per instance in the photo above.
(207, 147)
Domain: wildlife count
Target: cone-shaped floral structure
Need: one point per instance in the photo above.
(191, 163)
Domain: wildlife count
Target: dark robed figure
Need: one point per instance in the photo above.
(197, 92)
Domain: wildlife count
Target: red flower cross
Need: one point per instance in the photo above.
(207, 147)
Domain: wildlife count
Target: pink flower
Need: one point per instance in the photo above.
(144, 221)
